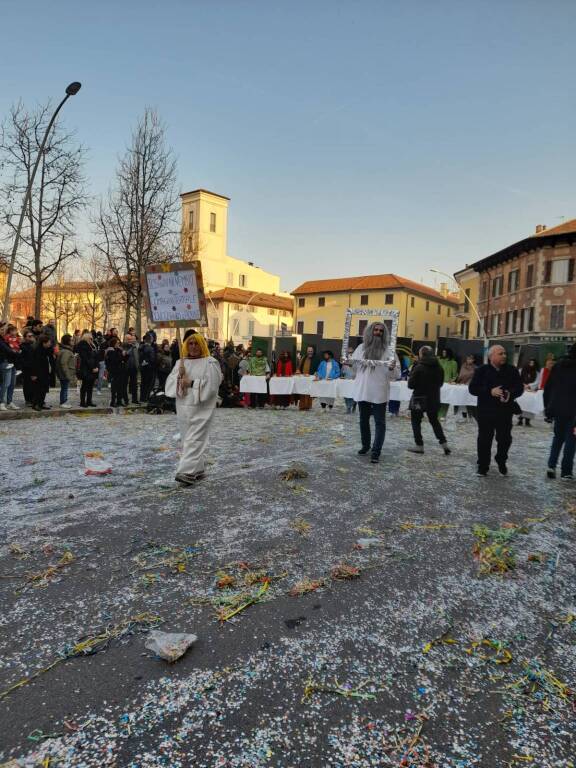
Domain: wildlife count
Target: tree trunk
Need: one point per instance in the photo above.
(139, 317)
(127, 316)
(38, 301)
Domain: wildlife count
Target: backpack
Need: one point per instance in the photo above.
(158, 403)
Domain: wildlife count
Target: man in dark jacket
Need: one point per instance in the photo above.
(26, 354)
(147, 367)
(426, 379)
(496, 385)
(40, 372)
(560, 405)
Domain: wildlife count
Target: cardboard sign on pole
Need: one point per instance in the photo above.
(175, 295)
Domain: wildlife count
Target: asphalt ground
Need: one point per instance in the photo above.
(418, 659)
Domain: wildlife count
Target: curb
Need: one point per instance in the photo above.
(57, 412)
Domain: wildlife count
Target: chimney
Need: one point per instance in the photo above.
(444, 289)
(540, 228)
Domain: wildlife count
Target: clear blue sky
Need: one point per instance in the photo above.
(353, 137)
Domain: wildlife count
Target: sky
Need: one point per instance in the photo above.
(353, 137)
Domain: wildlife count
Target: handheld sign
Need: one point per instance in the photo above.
(175, 295)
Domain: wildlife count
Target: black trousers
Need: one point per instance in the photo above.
(39, 392)
(27, 387)
(417, 416)
(133, 385)
(490, 424)
(86, 391)
(117, 387)
(147, 379)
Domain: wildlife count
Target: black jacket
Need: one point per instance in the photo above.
(116, 362)
(26, 354)
(560, 390)
(88, 357)
(426, 379)
(40, 364)
(147, 356)
(486, 377)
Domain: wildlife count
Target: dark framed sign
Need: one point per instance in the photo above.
(175, 295)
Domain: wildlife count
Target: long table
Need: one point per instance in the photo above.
(450, 394)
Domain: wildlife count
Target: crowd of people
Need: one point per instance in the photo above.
(136, 369)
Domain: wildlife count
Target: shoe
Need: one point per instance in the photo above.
(135, 402)
(13, 407)
(503, 469)
(3, 407)
(91, 405)
(125, 403)
(66, 406)
(445, 448)
(569, 476)
(46, 407)
(363, 451)
(482, 472)
(185, 479)
(36, 408)
(551, 474)
(416, 449)
(528, 424)
(374, 459)
(520, 422)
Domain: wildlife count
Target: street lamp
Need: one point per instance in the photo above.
(474, 309)
(71, 90)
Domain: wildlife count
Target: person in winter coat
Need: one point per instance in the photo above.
(147, 356)
(283, 369)
(26, 350)
(425, 380)
(8, 359)
(560, 405)
(450, 367)
(87, 369)
(11, 338)
(465, 375)
(115, 359)
(163, 363)
(40, 372)
(194, 382)
(496, 385)
(66, 369)
(132, 366)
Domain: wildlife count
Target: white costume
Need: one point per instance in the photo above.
(373, 377)
(195, 409)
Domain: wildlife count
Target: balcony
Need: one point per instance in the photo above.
(463, 310)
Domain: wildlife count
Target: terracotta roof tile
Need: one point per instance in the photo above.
(369, 282)
(239, 296)
(565, 228)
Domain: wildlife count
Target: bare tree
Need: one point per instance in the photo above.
(136, 224)
(57, 196)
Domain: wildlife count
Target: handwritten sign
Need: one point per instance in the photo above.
(175, 295)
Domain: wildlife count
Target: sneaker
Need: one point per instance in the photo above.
(551, 474)
(363, 451)
(482, 472)
(416, 449)
(91, 405)
(3, 407)
(66, 406)
(569, 476)
(13, 407)
(503, 469)
(445, 448)
(46, 407)
(374, 459)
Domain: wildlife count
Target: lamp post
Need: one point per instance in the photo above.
(474, 309)
(71, 90)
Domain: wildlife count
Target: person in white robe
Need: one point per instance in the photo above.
(194, 382)
(375, 368)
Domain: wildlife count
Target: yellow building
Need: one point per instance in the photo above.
(320, 306)
(469, 281)
(243, 299)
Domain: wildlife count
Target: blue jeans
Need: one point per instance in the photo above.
(6, 382)
(378, 411)
(101, 370)
(563, 436)
(64, 384)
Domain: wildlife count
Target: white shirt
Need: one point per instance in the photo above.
(373, 377)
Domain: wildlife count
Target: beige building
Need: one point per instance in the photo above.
(425, 314)
(468, 323)
(243, 299)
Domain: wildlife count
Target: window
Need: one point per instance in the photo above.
(320, 328)
(271, 311)
(466, 301)
(530, 276)
(448, 312)
(230, 278)
(509, 323)
(214, 325)
(321, 301)
(513, 280)
(559, 271)
(236, 327)
(495, 325)
(438, 331)
(362, 325)
(271, 329)
(527, 323)
(557, 317)
(242, 281)
(425, 330)
(250, 327)
(497, 286)
(301, 302)
(427, 306)
(389, 298)
(465, 329)
(478, 329)
(438, 309)
(412, 302)
(364, 300)
(191, 219)
(484, 291)
(300, 327)
(447, 332)
(212, 222)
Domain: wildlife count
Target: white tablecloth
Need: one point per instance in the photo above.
(253, 384)
(450, 394)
